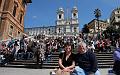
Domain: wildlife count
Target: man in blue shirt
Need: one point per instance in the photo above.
(86, 61)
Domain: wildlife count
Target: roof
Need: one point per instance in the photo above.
(96, 20)
(41, 27)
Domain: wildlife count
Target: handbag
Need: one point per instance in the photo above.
(60, 72)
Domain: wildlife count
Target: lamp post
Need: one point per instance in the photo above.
(97, 13)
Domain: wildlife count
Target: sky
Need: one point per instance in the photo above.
(43, 12)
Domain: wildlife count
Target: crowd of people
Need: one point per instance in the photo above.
(27, 48)
(20, 49)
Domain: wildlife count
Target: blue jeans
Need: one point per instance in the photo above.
(80, 71)
(20, 56)
(29, 55)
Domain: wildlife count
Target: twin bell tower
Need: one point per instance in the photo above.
(68, 25)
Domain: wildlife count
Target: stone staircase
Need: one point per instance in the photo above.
(105, 60)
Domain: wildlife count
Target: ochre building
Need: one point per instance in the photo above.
(12, 14)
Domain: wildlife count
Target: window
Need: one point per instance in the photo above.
(59, 30)
(64, 30)
(14, 11)
(75, 29)
(0, 2)
(21, 17)
(60, 16)
(18, 33)
(74, 14)
(11, 30)
(118, 11)
(15, 8)
(49, 31)
(118, 16)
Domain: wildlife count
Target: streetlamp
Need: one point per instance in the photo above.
(97, 13)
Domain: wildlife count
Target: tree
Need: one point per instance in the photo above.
(111, 29)
(118, 30)
(85, 29)
(112, 32)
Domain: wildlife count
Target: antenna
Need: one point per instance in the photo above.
(67, 10)
(76, 2)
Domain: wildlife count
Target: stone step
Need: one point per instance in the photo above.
(105, 66)
(51, 62)
(49, 67)
(55, 55)
(104, 54)
(105, 61)
(54, 59)
(53, 67)
(16, 66)
(104, 58)
(97, 58)
(18, 63)
(35, 66)
(29, 61)
(54, 64)
(23, 63)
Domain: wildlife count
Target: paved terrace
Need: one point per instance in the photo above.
(25, 71)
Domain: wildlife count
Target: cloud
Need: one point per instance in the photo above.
(34, 17)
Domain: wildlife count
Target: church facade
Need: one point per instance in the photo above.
(67, 25)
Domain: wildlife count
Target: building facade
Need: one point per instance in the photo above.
(12, 14)
(48, 30)
(93, 26)
(115, 18)
(69, 25)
